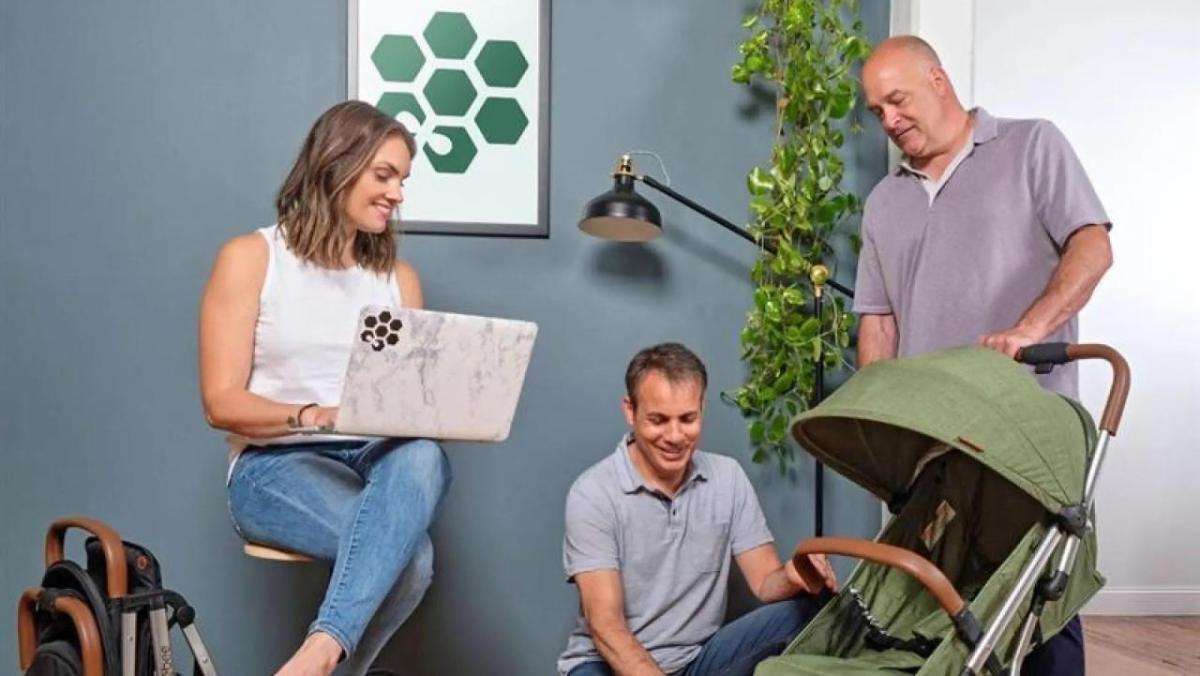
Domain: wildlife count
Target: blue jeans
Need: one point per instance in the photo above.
(365, 506)
(740, 645)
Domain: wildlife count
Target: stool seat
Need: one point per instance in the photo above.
(272, 554)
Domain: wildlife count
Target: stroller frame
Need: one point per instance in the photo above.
(1061, 541)
(116, 600)
(1072, 524)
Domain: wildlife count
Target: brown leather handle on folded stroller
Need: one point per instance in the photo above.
(114, 550)
(897, 557)
(86, 630)
(1062, 353)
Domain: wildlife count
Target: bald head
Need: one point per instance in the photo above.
(906, 87)
(909, 48)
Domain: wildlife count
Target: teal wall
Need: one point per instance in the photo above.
(135, 137)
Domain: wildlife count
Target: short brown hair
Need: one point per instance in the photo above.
(673, 360)
(338, 148)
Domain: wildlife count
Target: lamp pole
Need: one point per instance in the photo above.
(819, 276)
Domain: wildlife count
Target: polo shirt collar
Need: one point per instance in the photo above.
(632, 481)
(986, 129)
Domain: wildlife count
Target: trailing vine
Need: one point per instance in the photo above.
(805, 53)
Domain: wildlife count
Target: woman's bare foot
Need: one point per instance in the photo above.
(317, 656)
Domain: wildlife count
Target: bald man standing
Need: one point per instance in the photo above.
(989, 232)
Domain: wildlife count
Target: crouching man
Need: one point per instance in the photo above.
(651, 533)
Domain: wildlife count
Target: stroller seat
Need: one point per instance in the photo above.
(990, 477)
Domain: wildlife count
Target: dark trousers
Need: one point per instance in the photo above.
(1062, 655)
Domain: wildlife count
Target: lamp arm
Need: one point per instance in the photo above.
(728, 225)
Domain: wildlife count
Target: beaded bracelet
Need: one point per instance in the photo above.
(293, 421)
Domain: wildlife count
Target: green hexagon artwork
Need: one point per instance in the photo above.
(462, 151)
(394, 103)
(449, 92)
(450, 35)
(466, 78)
(501, 63)
(398, 58)
(501, 121)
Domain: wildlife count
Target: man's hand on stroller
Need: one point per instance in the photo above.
(1010, 341)
(825, 579)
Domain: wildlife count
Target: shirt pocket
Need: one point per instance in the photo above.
(704, 547)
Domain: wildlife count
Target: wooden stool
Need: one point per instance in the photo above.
(271, 554)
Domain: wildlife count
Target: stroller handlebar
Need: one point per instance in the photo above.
(897, 557)
(91, 644)
(116, 574)
(1055, 354)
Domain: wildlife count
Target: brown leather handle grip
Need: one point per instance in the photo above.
(110, 543)
(26, 628)
(1064, 353)
(86, 631)
(1118, 392)
(897, 557)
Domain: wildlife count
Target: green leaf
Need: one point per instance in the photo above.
(760, 298)
(810, 327)
(785, 382)
(740, 74)
(778, 428)
(840, 103)
(757, 431)
(854, 47)
(749, 21)
(825, 183)
(759, 182)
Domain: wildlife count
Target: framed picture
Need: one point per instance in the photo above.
(471, 81)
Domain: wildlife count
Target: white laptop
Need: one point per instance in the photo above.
(419, 373)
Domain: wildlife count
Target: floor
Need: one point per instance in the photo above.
(1142, 646)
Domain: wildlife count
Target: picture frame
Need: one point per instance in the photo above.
(471, 81)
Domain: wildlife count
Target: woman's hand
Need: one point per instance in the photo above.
(323, 417)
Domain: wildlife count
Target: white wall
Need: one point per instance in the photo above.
(1122, 80)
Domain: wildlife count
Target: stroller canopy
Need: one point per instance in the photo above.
(882, 427)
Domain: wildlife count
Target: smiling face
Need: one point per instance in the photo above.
(665, 420)
(912, 97)
(379, 188)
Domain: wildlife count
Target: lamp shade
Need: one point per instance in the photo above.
(621, 214)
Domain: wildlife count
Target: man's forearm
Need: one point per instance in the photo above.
(778, 587)
(1087, 257)
(621, 650)
(876, 338)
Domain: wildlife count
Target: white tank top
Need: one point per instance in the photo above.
(307, 317)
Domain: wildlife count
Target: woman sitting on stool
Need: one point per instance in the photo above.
(276, 321)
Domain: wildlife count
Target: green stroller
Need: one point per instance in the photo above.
(990, 479)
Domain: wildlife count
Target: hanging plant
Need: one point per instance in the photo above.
(805, 53)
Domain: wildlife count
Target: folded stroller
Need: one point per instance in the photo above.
(990, 479)
(110, 619)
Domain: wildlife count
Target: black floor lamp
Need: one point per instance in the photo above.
(623, 215)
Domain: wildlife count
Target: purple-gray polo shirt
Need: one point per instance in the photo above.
(973, 260)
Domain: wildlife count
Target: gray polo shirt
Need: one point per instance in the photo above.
(973, 259)
(673, 555)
